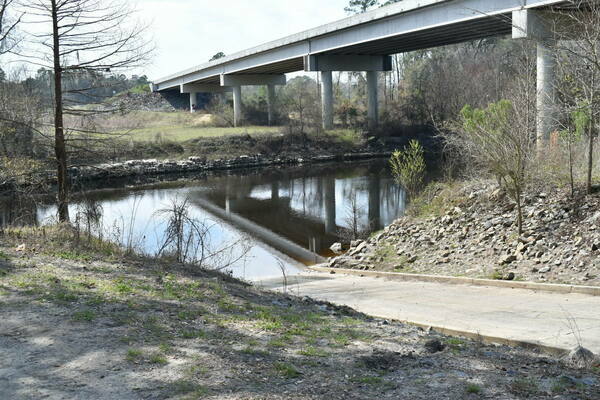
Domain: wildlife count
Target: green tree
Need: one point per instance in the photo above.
(360, 6)
(217, 56)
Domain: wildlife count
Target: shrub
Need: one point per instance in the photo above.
(408, 167)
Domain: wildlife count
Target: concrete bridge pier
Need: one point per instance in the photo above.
(373, 103)
(329, 200)
(328, 63)
(546, 91)
(237, 81)
(238, 106)
(271, 104)
(327, 99)
(194, 88)
(374, 202)
(535, 25)
(193, 101)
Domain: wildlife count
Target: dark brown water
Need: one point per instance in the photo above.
(290, 215)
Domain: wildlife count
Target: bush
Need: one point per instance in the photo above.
(408, 167)
(500, 141)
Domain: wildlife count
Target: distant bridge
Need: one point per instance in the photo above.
(364, 43)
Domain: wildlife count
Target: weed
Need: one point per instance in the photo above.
(122, 287)
(134, 355)
(524, 386)
(367, 380)
(64, 296)
(72, 255)
(193, 334)
(158, 359)
(287, 370)
(313, 352)
(255, 352)
(84, 316)
(189, 388)
(473, 388)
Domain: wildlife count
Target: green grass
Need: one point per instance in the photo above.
(3, 256)
(287, 370)
(473, 388)
(313, 352)
(134, 355)
(72, 255)
(158, 359)
(84, 316)
(182, 133)
(178, 127)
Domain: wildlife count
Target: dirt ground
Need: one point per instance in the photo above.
(77, 324)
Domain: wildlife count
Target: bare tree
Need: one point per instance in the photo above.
(500, 139)
(82, 35)
(577, 32)
(7, 27)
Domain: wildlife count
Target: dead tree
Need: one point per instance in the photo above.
(577, 33)
(7, 27)
(85, 36)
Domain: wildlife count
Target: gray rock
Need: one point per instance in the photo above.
(337, 248)
(580, 358)
(434, 346)
(545, 270)
(507, 259)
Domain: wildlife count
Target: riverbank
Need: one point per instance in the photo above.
(468, 229)
(147, 171)
(90, 322)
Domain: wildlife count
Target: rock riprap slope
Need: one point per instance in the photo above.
(471, 231)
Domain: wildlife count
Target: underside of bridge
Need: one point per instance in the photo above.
(365, 42)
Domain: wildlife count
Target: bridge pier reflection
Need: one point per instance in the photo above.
(374, 202)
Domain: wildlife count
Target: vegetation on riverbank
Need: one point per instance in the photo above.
(104, 324)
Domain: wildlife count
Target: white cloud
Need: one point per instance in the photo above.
(190, 32)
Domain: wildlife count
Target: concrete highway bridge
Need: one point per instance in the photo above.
(365, 42)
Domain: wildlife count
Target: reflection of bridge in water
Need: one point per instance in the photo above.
(309, 210)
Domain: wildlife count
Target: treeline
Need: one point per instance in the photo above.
(81, 87)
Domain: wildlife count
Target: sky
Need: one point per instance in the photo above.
(190, 32)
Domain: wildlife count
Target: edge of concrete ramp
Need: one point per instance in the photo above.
(397, 276)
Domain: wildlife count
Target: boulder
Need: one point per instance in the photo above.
(580, 358)
(337, 248)
(507, 259)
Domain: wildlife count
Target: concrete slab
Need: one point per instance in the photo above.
(502, 315)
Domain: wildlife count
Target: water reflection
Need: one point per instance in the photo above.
(296, 212)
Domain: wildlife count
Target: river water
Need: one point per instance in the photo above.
(256, 221)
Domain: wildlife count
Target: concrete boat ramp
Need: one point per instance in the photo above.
(521, 317)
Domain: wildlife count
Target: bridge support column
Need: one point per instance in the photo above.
(328, 63)
(373, 99)
(535, 25)
(546, 91)
(238, 110)
(327, 99)
(193, 101)
(271, 104)
(237, 81)
(374, 203)
(329, 200)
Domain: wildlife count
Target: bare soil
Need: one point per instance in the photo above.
(77, 323)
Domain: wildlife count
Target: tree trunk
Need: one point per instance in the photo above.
(519, 212)
(590, 166)
(59, 133)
